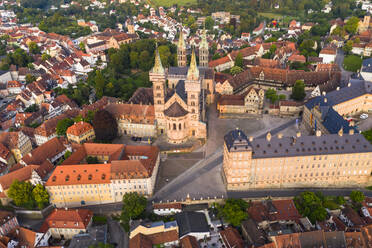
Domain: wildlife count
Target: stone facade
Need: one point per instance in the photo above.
(337, 160)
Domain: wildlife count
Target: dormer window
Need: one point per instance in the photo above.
(103, 176)
(54, 179)
(67, 178)
(79, 177)
(90, 177)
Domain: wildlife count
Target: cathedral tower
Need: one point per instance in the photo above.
(158, 78)
(193, 88)
(203, 50)
(181, 51)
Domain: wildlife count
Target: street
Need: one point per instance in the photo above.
(345, 75)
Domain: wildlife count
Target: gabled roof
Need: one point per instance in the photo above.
(46, 151)
(175, 110)
(67, 219)
(23, 174)
(191, 222)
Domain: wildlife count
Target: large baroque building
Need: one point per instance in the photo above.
(179, 95)
(119, 169)
(327, 112)
(333, 160)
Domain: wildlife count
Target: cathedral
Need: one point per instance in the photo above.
(180, 94)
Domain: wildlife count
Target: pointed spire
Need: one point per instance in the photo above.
(193, 72)
(203, 43)
(181, 41)
(158, 67)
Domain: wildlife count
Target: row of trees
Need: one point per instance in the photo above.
(313, 205)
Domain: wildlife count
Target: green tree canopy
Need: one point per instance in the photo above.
(133, 206)
(21, 194)
(368, 135)
(348, 46)
(45, 56)
(272, 95)
(357, 196)
(32, 108)
(41, 196)
(352, 63)
(33, 47)
(105, 126)
(310, 205)
(30, 78)
(234, 211)
(235, 70)
(62, 126)
(209, 22)
(298, 91)
(239, 60)
(351, 26)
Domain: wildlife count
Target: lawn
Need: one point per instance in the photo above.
(275, 16)
(168, 3)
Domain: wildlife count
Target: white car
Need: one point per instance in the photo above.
(363, 116)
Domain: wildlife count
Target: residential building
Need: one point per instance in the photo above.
(6, 157)
(251, 101)
(193, 224)
(17, 142)
(95, 235)
(66, 223)
(328, 54)
(24, 237)
(167, 208)
(8, 222)
(80, 132)
(159, 228)
(334, 160)
(189, 242)
(231, 238)
(366, 70)
(120, 169)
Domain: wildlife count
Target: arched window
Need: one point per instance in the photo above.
(174, 126)
(192, 103)
(193, 111)
(179, 126)
(169, 126)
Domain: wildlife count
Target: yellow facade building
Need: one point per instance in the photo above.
(120, 169)
(80, 132)
(334, 160)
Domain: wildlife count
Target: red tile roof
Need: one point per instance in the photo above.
(69, 219)
(79, 128)
(232, 238)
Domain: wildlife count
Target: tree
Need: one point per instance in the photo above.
(82, 46)
(63, 125)
(239, 60)
(32, 108)
(92, 160)
(352, 63)
(310, 205)
(298, 91)
(105, 126)
(33, 47)
(368, 135)
(357, 196)
(67, 154)
(30, 78)
(45, 56)
(41, 196)
(165, 55)
(21, 194)
(272, 95)
(234, 211)
(101, 245)
(351, 26)
(133, 206)
(99, 82)
(209, 23)
(235, 70)
(348, 46)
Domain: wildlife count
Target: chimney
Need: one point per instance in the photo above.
(268, 136)
(318, 133)
(341, 132)
(280, 135)
(351, 131)
(250, 138)
(338, 88)
(298, 134)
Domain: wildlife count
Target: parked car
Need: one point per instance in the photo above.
(363, 116)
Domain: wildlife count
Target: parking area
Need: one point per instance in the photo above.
(363, 122)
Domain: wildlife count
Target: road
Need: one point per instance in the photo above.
(345, 75)
(117, 234)
(204, 179)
